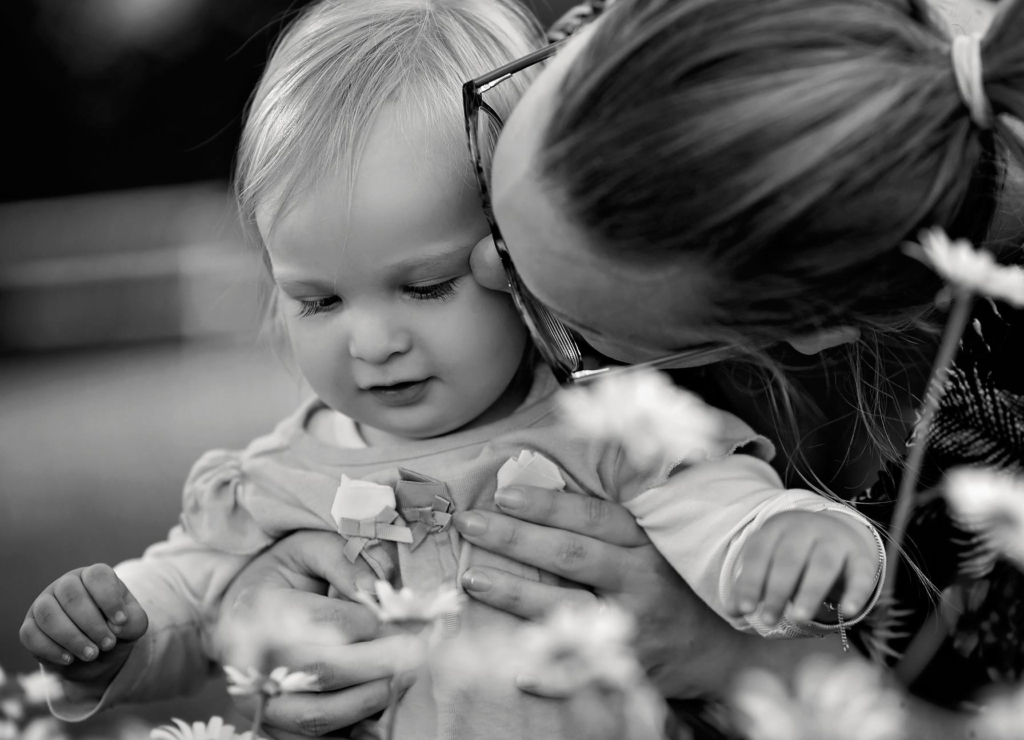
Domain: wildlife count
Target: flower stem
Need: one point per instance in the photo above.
(257, 720)
(958, 318)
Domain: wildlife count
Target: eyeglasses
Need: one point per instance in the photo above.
(554, 341)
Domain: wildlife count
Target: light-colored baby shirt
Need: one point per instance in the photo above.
(236, 503)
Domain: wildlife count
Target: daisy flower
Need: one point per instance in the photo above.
(215, 729)
(407, 607)
(44, 728)
(266, 627)
(1003, 717)
(581, 645)
(12, 708)
(829, 701)
(959, 263)
(991, 503)
(644, 412)
(39, 687)
(280, 681)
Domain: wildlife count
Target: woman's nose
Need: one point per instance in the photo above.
(375, 337)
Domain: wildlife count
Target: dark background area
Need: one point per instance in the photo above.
(113, 94)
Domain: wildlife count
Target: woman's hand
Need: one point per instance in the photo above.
(287, 585)
(685, 646)
(688, 650)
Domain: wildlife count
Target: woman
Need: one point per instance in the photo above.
(821, 136)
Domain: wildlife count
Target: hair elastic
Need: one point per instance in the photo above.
(966, 54)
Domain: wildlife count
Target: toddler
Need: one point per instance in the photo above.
(354, 178)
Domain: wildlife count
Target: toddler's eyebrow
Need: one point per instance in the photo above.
(289, 282)
(430, 263)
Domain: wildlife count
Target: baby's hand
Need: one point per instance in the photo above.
(804, 557)
(84, 624)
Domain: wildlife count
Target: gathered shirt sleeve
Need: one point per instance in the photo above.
(700, 515)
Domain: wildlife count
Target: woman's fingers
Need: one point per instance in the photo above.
(347, 666)
(573, 556)
(278, 621)
(517, 595)
(486, 265)
(315, 715)
(321, 556)
(586, 515)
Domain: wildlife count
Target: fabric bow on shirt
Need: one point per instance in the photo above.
(425, 505)
(365, 514)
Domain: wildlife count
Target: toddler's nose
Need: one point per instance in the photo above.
(375, 337)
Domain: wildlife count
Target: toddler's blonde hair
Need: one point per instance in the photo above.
(341, 63)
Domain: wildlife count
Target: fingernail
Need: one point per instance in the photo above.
(510, 498)
(849, 609)
(800, 614)
(746, 606)
(474, 580)
(107, 643)
(470, 523)
(120, 618)
(90, 652)
(66, 658)
(116, 629)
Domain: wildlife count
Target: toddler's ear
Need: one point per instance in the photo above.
(815, 342)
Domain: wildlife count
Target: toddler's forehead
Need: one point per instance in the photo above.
(405, 144)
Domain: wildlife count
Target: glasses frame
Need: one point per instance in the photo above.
(530, 309)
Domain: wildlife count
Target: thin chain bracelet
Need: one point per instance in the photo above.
(838, 609)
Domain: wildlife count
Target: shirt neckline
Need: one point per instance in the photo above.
(534, 407)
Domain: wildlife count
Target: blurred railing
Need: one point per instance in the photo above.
(109, 268)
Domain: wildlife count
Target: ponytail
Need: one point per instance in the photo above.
(1002, 56)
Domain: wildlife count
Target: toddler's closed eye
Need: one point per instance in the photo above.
(435, 292)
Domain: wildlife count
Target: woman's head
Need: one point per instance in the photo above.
(747, 169)
(355, 181)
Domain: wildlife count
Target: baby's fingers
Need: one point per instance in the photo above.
(125, 618)
(76, 601)
(788, 562)
(860, 584)
(40, 645)
(49, 615)
(755, 560)
(823, 568)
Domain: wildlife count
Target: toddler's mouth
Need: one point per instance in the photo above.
(400, 394)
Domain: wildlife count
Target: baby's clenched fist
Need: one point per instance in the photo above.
(83, 625)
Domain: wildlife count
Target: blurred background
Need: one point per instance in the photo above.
(128, 341)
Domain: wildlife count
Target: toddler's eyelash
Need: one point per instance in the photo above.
(311, 308)
(436, 292)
